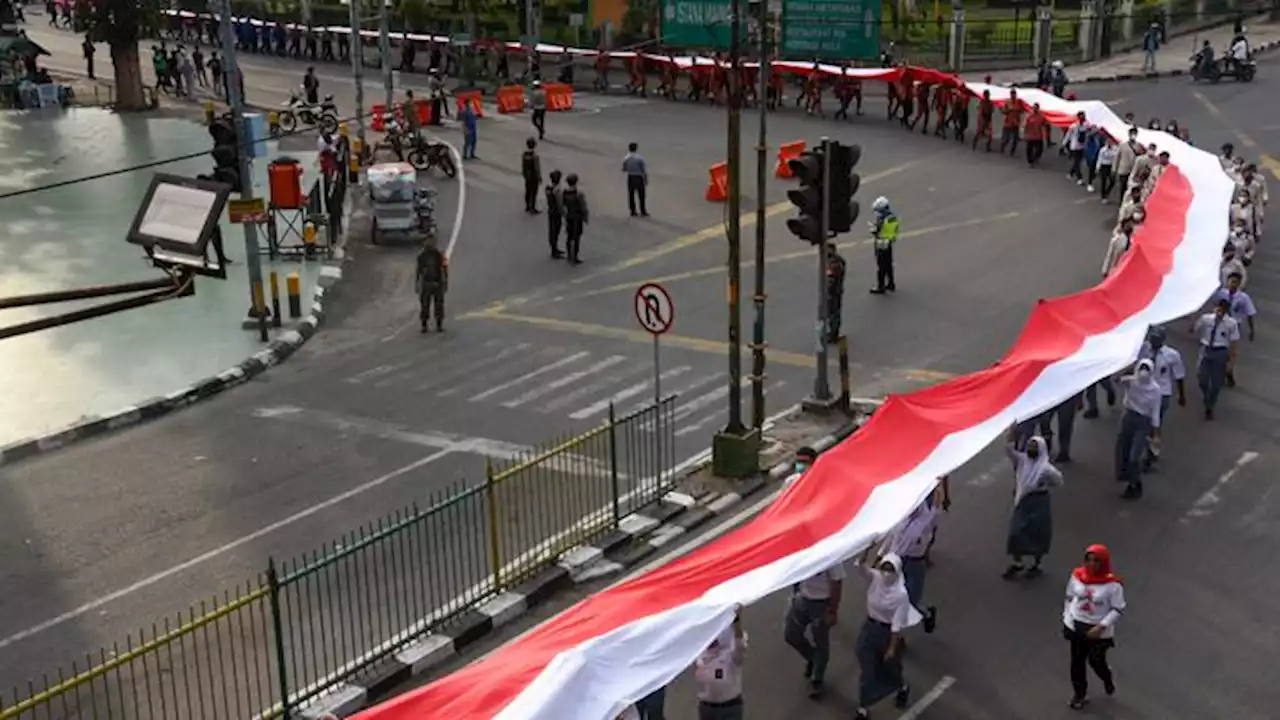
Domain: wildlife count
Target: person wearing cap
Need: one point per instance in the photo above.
(884, 233)
(718, 672)
(538, 101)
(576, 217)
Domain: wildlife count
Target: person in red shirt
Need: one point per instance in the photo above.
(775, 89)
(670, 78)
(986, 111)
(960, 112)
(638, 80)
(906, 96)
(1035, 131)
(1012, 112)
(602, 70)
(813, 92)
(941, 103)
(892, 105)
(922, 108)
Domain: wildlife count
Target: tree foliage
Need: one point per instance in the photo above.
(416, 14)
(122, 24)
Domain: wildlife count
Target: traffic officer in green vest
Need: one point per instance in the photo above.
(884, 233)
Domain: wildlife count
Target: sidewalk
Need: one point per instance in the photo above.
(74, 236)
(1172, 59)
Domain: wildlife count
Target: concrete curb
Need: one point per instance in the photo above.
(1122, 77)
(275, 353)
(639, 536)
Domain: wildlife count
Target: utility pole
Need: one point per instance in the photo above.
(757, 339)
(235, 81)
(821, 388)
(357, 66)
(384, 52)
(735, 450)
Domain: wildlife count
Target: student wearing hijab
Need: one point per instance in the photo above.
(1094, 603)
(911, 543)
(879, 647)
(1031, 525)
(718, 672)
(1142, 402)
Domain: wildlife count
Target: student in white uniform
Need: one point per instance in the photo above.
(1170, 374)
(1241, 309)
(1218, 334)
(718, 671)
(879, 647)
(813, 610)
(911, 543)
(1094, 603)
(1031, 524)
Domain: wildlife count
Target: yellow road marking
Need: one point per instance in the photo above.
(716, 231)
(796, 255)
(702, 345)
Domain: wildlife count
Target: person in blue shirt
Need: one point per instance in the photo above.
(470, 125)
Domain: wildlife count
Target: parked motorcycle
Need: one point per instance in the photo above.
(1223, 67)
(324, 115)
(426, 154)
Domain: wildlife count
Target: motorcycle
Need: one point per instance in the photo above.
(426, 154)
(1223, 67)
(325, 115)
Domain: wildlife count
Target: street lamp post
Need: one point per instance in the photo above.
(762, 149)
(735, 450)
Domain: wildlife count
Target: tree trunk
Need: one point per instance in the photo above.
(129, 94)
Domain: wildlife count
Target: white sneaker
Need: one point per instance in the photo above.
(1090, 188)
(1104, 201)
(1079, 182)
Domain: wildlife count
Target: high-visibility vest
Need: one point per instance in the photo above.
(887, 232)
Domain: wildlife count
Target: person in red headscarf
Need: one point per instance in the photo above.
(1094, 603)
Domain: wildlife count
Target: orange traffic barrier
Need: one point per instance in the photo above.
(377, 122)
(559, 96)
(421, 108)
(472, 98)
(510, 99)
(786, 153)
(718, 188)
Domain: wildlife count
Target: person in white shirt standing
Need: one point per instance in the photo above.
(1218, 334)
(814, 609)
(1241, 308)
(718, 671)
(911, 543)
(1107, 155)
(1120, 243)
(1094, 603)
(1077, 136)
(1170, 373)
(879, 647)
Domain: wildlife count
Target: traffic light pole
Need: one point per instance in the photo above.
(384, 52)
(735, 450)
(252, 258)
(762, 162)
(357, 66)
(821, 388)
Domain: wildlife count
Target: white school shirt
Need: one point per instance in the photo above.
(1241, 306)
(1098, 604)
(719, 672)
(1107, 155)
(1228, 330)
(818, 587)
(1168, 366)
(912, 539)
(1116, 249)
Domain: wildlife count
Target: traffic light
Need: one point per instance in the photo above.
(843, 185)
(226, 152)
(809, 170)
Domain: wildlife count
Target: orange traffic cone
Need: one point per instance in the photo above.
(718, 188)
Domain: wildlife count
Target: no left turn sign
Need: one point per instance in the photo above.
(654, 309)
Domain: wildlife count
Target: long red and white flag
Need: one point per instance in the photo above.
(591, 661)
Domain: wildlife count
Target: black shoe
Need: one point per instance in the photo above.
(862, 714)
(1231, 380)
(1033, 572)
(425, 329)
(902, 698)
(931, 620)
(635, 214)
(892, 288)
(1077, 703)
(556, 255)
(876, 291)
(816, 689)
(575, 261)
(1090, 414)
(1130, 492)
(808, 670)
(1110, 686)
(1011, 572)
(439, 327)
(1208, 413)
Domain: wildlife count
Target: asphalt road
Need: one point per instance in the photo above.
(110, 535)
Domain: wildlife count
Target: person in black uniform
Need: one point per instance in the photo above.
(576, 217)
(311, 86)
(835, 292)
(555, 214)
(531, 169)
(431, 282)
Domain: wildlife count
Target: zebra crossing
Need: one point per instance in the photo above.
(564, 381)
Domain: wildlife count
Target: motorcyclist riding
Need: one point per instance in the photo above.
(1238, 55)
(1205, 59)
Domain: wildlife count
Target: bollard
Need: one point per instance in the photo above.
(309, 238)
(208, 110)
(273, 124)
(842, 347)
(353, 173)
(275, 299)
(293, 285)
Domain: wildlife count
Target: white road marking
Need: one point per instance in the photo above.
(1207, 502)
(715, 416)
(686, 409)
(625, 394)
(529, 376)
(469, 372)
(221, 550)
(928, 698)
(569, 379)
(591, 389)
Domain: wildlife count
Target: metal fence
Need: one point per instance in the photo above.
(310, 623)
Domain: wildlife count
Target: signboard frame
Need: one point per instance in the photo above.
(854, 37)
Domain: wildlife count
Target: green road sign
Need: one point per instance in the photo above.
(698, 23)
(831, 29)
